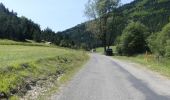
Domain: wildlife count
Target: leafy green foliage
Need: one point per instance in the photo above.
(133, 40)
(99, 10)
(114, 26)
(160, 43)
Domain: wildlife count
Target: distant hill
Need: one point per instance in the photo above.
(80, 37)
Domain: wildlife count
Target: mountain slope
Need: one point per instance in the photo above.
(152, 13)
(79, 37)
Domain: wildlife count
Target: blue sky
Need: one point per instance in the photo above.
(55, 14)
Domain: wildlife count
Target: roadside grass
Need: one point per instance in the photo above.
(22, 64)
(161, 65)
(66, 77)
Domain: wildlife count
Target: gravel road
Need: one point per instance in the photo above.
(104, 78)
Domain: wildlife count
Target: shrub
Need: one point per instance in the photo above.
(160, 43)
(133, 40)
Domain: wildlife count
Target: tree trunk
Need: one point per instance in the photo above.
(108, 47)
(104, 42)
(104, 33)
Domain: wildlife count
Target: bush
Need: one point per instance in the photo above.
(167, 52)
(152, 43)
(160, 43)
(133, 40)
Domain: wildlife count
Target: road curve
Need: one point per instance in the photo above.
(104, 78)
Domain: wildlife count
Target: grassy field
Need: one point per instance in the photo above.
(19, 64)
(14, 54)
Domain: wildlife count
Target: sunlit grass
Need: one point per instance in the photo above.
(19, 63)
(13, 54)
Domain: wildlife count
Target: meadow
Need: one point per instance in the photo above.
(20, 63)
(14, 54)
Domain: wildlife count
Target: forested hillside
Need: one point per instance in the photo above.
(154, 14)
(79, 37)
(15, 28)
(21, 28)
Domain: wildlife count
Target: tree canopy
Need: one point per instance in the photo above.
(99, 11)
(133, 39)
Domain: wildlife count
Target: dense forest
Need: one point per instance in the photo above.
(145, 18)
(15, 28)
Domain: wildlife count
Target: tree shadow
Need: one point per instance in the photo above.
(141, 86)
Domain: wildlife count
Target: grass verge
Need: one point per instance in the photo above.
(160, 65)
(66, 77)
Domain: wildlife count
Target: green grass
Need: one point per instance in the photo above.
(66, 77)
(14, 54)
(26, 43)
(161, 66)
(19, 63)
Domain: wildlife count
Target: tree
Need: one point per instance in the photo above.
(115, 26)
(48, 35)
(133, 39)
(98, 11)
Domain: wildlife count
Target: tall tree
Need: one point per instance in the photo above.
(98, 11)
